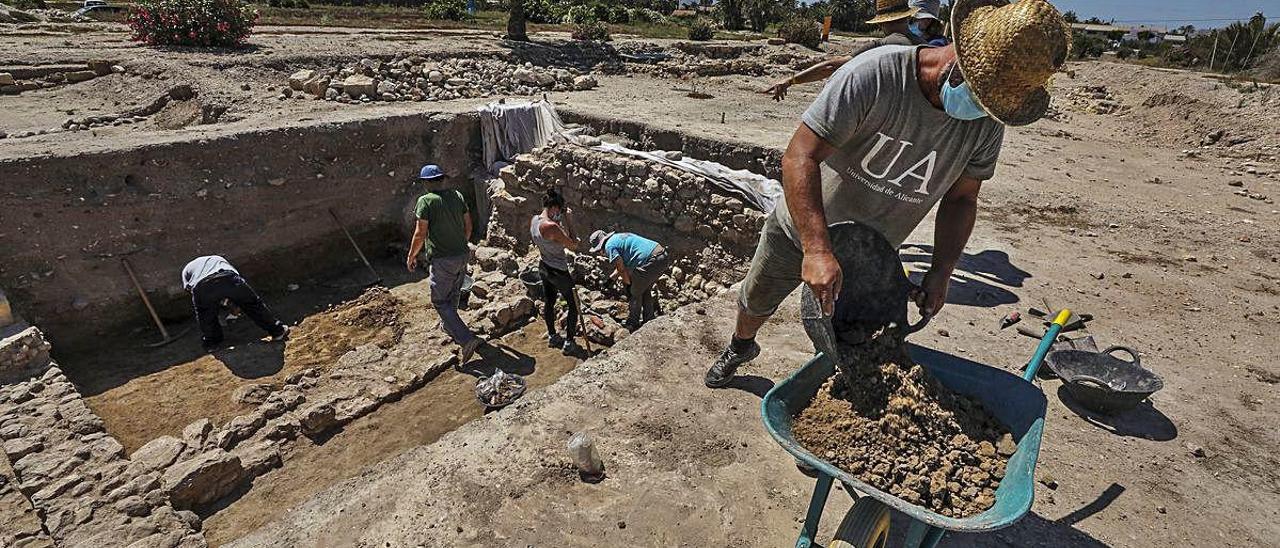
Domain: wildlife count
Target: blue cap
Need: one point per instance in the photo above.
(431, 171)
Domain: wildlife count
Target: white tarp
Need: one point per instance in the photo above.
(510, 129)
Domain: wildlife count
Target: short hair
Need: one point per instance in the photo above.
(552, 198)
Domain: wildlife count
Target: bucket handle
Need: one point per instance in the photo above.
(1136, 361)
(1092, 380)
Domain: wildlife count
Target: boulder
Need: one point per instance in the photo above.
(196, 433)
(318, 86)
(359, 84)
(203, 479)
(80, 76)
(297, 79)
(259, 457)
(253, 394)
(6, 79)
(158, 453)
(100, 67)
(317, 418)
(583, 83)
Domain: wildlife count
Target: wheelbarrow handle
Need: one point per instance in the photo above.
(1046, 343)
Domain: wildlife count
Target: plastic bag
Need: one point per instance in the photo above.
(582, 449)
(500, 389)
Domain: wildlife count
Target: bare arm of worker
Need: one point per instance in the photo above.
(819, 71)
(956, 215)
(622, 271)
(419, 239)
(557, 233)
(466, 225)
(802, 183)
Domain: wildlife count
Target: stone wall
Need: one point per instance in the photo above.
(23, 354)
(75, 477)
(259, 198)
(710, 235)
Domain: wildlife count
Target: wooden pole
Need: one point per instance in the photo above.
(150, 309)
(377, 278)
(1215, 50)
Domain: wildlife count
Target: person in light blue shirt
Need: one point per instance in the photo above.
(640, 262)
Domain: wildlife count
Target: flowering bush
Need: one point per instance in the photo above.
(192, 22)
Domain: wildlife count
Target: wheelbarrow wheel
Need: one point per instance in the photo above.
(865, 526)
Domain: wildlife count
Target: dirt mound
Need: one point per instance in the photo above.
(375, 317)
(897, 428)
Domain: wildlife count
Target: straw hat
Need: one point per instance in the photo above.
(891, 10)
(1007, 53)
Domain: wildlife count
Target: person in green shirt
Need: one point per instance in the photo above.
(444, 228)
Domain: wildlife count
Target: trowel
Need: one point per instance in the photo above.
(873, 297)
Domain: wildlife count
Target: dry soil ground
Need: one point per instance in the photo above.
(1174, 253)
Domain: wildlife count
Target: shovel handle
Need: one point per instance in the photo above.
(1046, 343)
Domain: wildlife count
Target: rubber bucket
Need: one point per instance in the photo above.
(532, 281)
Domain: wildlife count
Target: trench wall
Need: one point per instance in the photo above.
(259, 198)
(710, 235)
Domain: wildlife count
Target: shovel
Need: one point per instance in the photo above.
(165, 336)
(873, 296)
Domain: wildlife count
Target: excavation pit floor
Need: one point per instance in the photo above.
(143, 393)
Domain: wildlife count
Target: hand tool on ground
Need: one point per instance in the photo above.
(582, 321)
(377, 279)
(1015, 401)
(166, 338)
(1010, 319)
(873, 296)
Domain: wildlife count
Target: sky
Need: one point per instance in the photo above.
(1172, 13)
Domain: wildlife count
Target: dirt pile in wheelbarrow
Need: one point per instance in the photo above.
(895, 427)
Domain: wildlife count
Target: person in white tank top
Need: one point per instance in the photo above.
(552, 231)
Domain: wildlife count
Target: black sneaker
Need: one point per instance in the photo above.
(571, 348)
(722, 371)
(554, 340)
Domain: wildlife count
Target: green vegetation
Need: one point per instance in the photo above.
(701, 30)
(447, 10)
(591, 30)
(801, 30)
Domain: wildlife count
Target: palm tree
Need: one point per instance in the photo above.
(515, 22)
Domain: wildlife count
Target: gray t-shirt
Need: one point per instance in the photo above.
(896, 154)
(203, 267)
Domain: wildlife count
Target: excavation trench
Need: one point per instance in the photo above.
(367, 373)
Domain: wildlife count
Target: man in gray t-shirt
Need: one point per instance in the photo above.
(896, 131)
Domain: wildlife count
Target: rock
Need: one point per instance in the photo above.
(358, 85)
(386, 86)
(1048, 481)
(259, 457)
(16, 449)
(238, 429)
(1235, 183)
(253, 394)
(6, 79)
(317, 86)
(317, 418)
(298, 79)
(1006, 447)
(196, 433)
(80, 76)
(203, 479)
(331, 94)
(158, 453)
(133, 506)
(435, 77)
(583, 83)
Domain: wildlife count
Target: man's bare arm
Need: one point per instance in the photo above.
(956, 215)
(622, 271)
(819, 71)
(466, 225)
(802, 184)
(420, 233)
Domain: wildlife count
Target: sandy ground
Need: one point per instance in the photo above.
(1100, 212)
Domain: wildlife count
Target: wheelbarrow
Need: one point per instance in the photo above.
(1014, 401)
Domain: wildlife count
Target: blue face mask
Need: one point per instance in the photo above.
(914, 28)
(958, 101)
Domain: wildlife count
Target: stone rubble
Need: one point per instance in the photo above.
(414, 78)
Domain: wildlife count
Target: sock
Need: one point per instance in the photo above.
(740, 345)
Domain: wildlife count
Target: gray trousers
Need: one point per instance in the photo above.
(446, 275)
(643, 302)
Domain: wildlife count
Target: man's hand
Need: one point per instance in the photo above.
(822, 272)
(411, 263)
(778, 90)
(932, 293)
